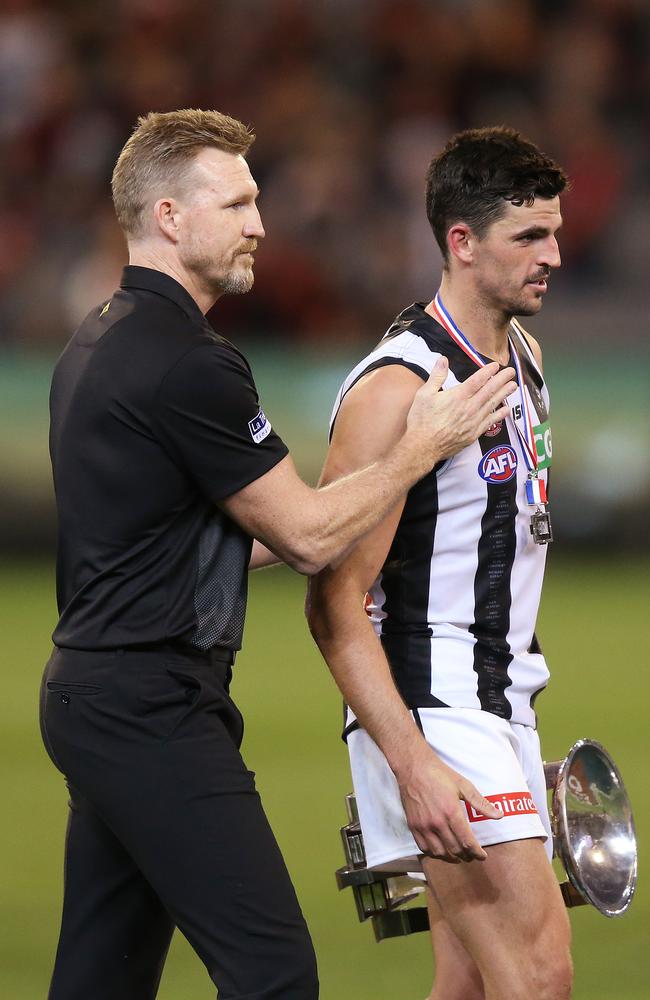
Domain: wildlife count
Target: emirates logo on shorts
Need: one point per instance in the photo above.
(508, 803)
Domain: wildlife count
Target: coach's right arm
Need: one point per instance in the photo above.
(311, 528)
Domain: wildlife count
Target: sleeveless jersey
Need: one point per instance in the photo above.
(456, 601)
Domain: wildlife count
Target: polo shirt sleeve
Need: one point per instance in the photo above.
(208, 417)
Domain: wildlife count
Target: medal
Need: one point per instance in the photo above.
(540, 519)
(540, 527)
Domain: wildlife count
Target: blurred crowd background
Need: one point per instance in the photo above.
(349, 99)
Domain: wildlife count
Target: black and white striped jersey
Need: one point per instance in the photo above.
(456, 601)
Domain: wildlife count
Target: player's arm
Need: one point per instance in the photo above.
(310, 528)
(431, 792)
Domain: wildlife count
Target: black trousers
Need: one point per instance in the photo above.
(165, 829)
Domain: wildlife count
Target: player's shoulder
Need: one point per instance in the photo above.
(391, 373)
(386, 387)
(404, 344)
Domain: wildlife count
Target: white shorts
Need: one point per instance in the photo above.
(502, 759)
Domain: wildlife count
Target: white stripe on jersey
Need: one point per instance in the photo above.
(453, 578)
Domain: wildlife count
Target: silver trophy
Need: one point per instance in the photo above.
(593, 837)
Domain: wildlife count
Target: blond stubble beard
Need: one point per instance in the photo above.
(237, 284)
(232, 282)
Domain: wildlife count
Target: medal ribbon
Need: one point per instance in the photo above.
(456, 335)
(527, 435)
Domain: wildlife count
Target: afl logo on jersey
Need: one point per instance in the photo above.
(498, 465)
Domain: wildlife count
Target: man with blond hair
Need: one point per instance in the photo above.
(166, 469)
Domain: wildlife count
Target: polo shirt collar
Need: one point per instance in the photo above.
(150, 280)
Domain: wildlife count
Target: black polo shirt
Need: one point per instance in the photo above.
(154, 420)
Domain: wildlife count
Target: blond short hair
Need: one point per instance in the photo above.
(159, 150)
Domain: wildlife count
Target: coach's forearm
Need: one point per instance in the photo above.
(439, 424)
(310, 529)
(345, 510)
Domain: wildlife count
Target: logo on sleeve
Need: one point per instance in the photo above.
(498, 465)
(259, 427)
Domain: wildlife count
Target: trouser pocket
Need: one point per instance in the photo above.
(61, 701)
(42, 718)
(72, 687)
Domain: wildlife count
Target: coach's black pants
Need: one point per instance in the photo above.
(165, 829)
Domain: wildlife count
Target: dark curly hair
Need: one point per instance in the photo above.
(481, 169)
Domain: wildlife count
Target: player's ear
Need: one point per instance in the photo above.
(460, 241)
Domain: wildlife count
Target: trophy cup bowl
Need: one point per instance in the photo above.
(593, 828)
(593, 837)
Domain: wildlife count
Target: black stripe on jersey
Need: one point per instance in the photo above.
(535, 648)
(492, 594)
(352, 728)
(532, 378)
(533, 699)
(417, 720)
(383, 362)
(405, 632)
(518, 336)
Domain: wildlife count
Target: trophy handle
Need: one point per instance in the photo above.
(593, 837)
(571, 896)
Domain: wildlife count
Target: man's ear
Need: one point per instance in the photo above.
(165, 214)
(461, 242)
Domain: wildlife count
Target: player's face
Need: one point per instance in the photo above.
(219, 222)
(514, 259)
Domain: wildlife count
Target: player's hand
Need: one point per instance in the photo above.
(451, 420)
(433, 796)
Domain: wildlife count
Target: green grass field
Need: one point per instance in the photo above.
(590, 626)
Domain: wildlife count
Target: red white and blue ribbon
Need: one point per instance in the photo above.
(454, 332)
(535, 491)
(525, 432)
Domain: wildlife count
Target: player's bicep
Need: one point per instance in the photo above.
(370, 421)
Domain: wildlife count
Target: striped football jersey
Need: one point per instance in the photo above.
(456, 601)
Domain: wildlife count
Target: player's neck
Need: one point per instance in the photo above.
(485, 327)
